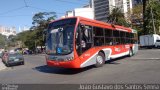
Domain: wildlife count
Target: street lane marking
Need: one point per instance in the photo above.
(145, 58)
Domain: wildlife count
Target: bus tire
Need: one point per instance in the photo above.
(100, 59)
(130, 52)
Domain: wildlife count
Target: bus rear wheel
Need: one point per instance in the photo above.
(100, 59)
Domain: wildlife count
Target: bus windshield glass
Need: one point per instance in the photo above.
(60, 37)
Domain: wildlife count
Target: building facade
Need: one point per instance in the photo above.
(23, 28)
(135, 2)
(85, 11)
(7, 31)
(102, 8)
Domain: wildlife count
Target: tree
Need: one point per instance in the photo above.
(30, 40)
(11, 41)
(2, 41)
(22, 37)
(34, 37)
(40, 23)
(152, 17)
(27, 39)
(117, 17)
(42, 18)
(136, 18)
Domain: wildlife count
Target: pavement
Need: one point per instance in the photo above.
(142, 68)
(2, 66)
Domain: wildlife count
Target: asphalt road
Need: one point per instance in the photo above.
(144, 67)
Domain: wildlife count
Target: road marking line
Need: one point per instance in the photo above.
(145, 58)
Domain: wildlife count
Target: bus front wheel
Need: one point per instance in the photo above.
(130, 52)
(100, 59)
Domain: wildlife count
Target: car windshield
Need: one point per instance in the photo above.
(1, 54)
(16, 55)
(60, 37)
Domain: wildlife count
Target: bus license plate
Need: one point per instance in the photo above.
(56, 63)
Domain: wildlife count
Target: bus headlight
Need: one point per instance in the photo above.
(68, 59)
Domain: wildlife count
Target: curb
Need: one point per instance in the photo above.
(2, 66)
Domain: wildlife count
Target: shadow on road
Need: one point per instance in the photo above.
(64, 71)
(113, 61)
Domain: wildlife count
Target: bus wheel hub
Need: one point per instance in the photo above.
(99, 59)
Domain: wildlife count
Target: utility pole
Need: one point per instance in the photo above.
(35, 47)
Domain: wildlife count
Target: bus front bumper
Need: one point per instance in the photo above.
(64, 64)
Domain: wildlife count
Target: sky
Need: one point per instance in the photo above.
(19, 13)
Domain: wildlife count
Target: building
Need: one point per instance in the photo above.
(102, 8)
(85, 11)
(23, 28)
(135, 2)
(7, 31)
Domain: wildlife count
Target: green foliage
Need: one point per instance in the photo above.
(11, 42)
(42, 18)
(148, 21)
(137, 18)
(34, 37)
(117, 17)
(30, 39)
(2, 41)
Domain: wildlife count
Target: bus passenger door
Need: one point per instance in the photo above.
(83, 38)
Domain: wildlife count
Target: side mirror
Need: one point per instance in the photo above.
(44, 31)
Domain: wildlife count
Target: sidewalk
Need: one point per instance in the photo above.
(2, 66)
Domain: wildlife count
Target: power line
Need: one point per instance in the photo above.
(38, 8)
(28, 6)
(15, 16)
(16, 9)
(25, 3)
(43, 9)
(69, 2)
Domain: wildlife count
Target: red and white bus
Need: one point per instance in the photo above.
(78, 42)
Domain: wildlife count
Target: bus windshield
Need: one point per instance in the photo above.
(60, 37)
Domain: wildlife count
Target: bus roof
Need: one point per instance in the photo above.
(99, 23)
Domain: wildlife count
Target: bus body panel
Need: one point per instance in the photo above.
(109, 54)
(88, 57)
(65, 64)
(135, 48)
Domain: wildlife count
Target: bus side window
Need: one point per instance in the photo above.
(108, 37)
(122, 37)
(116, 37)
(98, 36)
